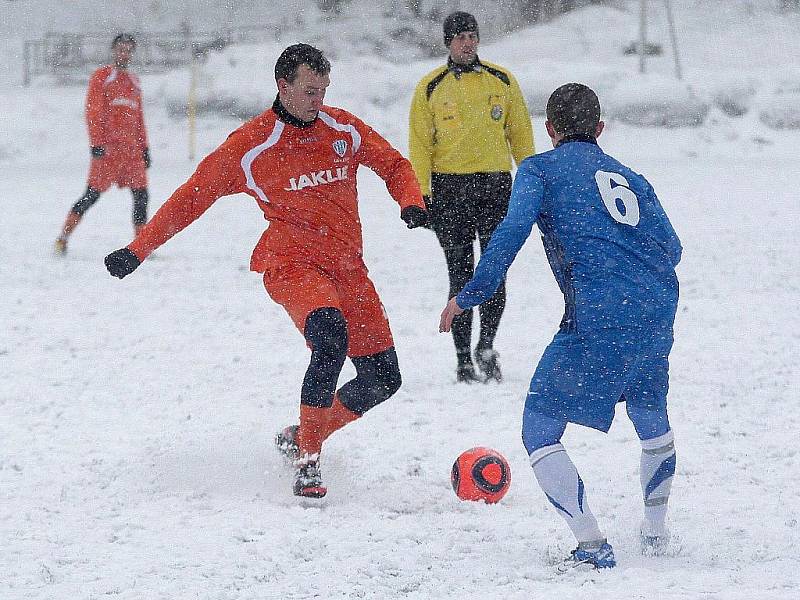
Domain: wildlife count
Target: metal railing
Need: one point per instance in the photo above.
(71, 57)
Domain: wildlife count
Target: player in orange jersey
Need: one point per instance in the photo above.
(117, 136)
(298, 160)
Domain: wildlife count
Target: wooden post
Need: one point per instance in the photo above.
(643, 36)
(26, 62)
(674, 38)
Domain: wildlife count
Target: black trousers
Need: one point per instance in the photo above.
(462, 208)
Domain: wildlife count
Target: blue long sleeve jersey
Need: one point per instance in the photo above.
(609, 242)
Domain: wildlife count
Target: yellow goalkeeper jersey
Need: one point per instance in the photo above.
(467, 120)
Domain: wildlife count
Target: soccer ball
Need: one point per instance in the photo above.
(481, 474)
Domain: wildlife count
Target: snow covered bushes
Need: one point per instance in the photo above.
(782, 113)
(782, 109)
(652, 101)
(734, 97)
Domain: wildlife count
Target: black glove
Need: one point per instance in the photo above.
(146, 157)
(122, 262)
(98, 151)
(414, 216)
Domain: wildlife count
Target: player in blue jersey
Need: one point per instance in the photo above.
(613, 252)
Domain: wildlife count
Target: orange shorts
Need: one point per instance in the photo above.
(302, 287)
(122, 167)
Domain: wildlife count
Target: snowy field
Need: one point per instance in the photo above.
(137, 416)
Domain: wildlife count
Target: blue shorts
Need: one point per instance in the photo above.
(580, 377)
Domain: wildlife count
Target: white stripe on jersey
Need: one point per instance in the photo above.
(125, 102)
(251, 155)
(333, 124)
(111, 76)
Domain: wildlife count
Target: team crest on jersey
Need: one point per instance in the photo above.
(497, 112)
(340, 147)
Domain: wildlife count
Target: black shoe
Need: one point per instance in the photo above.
(465, 373)
(308, 480)
(286, 442)
(489, 363)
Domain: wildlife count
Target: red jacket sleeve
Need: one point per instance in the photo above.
(219, 174)
(391, 166)
(96, 108)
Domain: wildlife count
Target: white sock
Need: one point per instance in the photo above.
(656, 470)
(559, 479)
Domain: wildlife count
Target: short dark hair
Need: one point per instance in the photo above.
(300, 54)
(457, 22)
(124, 38)
(574, 109)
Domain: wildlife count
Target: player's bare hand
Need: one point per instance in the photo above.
(451, 311)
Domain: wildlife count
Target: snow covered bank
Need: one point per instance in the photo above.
(136, 416)
(585, 46)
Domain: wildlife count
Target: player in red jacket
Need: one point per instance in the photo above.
(117, 136)
(298, 160)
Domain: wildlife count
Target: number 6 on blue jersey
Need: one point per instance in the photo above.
(620, 190)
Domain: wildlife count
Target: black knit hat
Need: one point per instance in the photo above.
(573, 109)
(457, 22)
(124, 38)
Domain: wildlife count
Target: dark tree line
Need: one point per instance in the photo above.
(530, 11)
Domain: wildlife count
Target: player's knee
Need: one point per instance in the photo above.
(90, 196)
(140, 217)
(140, 200)
(387, 381)
(649, 423)
(460, 265)
(326, 332)
(378, 380)
(378, 392)
(457, 284)
(540, 430)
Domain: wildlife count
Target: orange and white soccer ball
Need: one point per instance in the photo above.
(481, 474)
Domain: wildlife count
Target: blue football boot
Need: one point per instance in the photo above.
(598, 553)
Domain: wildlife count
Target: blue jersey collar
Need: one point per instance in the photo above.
(577, 137)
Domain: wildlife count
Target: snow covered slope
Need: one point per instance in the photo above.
(136, 416)
(725, 68)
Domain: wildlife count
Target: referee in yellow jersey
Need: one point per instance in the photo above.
(468, 120)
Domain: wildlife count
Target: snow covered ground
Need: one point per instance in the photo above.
(136, 417)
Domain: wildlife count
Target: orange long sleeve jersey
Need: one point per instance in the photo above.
(303, 179)
(114, 109)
